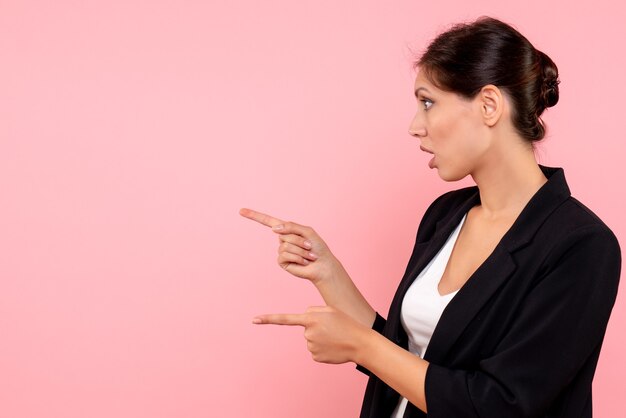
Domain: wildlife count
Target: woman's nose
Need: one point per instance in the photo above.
(417, 128)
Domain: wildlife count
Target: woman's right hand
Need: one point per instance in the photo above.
(301, 251)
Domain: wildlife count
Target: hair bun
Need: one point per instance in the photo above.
(549, 95)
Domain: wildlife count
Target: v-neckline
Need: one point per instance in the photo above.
(456, 232)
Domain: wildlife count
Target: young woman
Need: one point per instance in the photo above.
(504, 304)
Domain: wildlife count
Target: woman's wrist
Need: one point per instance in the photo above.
(363, 345)
(339, 291)
(333, 278)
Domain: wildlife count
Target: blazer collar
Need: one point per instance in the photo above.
(554, 192)
(496, 269)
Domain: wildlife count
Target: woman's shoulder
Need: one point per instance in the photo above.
(566, 213)
(574, 221)
(580, 215)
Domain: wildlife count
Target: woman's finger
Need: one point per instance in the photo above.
(296, 240)
(261, 218)
(287, 247)
(284, 259)
(294, 228)
(279, 226)
(282, 319)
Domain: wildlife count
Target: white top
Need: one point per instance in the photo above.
(422, 305)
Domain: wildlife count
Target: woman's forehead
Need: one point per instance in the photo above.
(423, 83)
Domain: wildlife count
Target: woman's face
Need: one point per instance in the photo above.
(451, 128)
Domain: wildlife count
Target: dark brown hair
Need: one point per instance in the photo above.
(487, 51)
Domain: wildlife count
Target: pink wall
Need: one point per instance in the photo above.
(131, 132)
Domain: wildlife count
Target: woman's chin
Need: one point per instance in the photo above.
(449, 176)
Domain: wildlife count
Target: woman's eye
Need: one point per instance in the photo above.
(427, 103)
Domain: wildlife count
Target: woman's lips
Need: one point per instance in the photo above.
(431, 163)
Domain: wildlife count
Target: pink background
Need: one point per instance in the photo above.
(131, 132)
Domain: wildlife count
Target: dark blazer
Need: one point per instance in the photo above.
(522, 337)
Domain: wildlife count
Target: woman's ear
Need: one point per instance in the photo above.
(492, 104)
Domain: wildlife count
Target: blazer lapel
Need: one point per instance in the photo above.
(466, 304)
(428, 249)
(424, 252)
(498, 267)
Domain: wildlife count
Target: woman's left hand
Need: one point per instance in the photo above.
(332, 336)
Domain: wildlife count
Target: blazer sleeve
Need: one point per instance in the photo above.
(559, 327)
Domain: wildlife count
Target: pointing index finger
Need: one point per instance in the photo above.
(281, 319)
(261, 218)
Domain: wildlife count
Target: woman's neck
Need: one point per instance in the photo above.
(507, 182)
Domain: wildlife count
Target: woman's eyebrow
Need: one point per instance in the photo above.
(420, 89)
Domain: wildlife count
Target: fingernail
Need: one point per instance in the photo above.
(313, 255)
(308, 244)
(277, 227)
(257, 321)
(305, 261)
